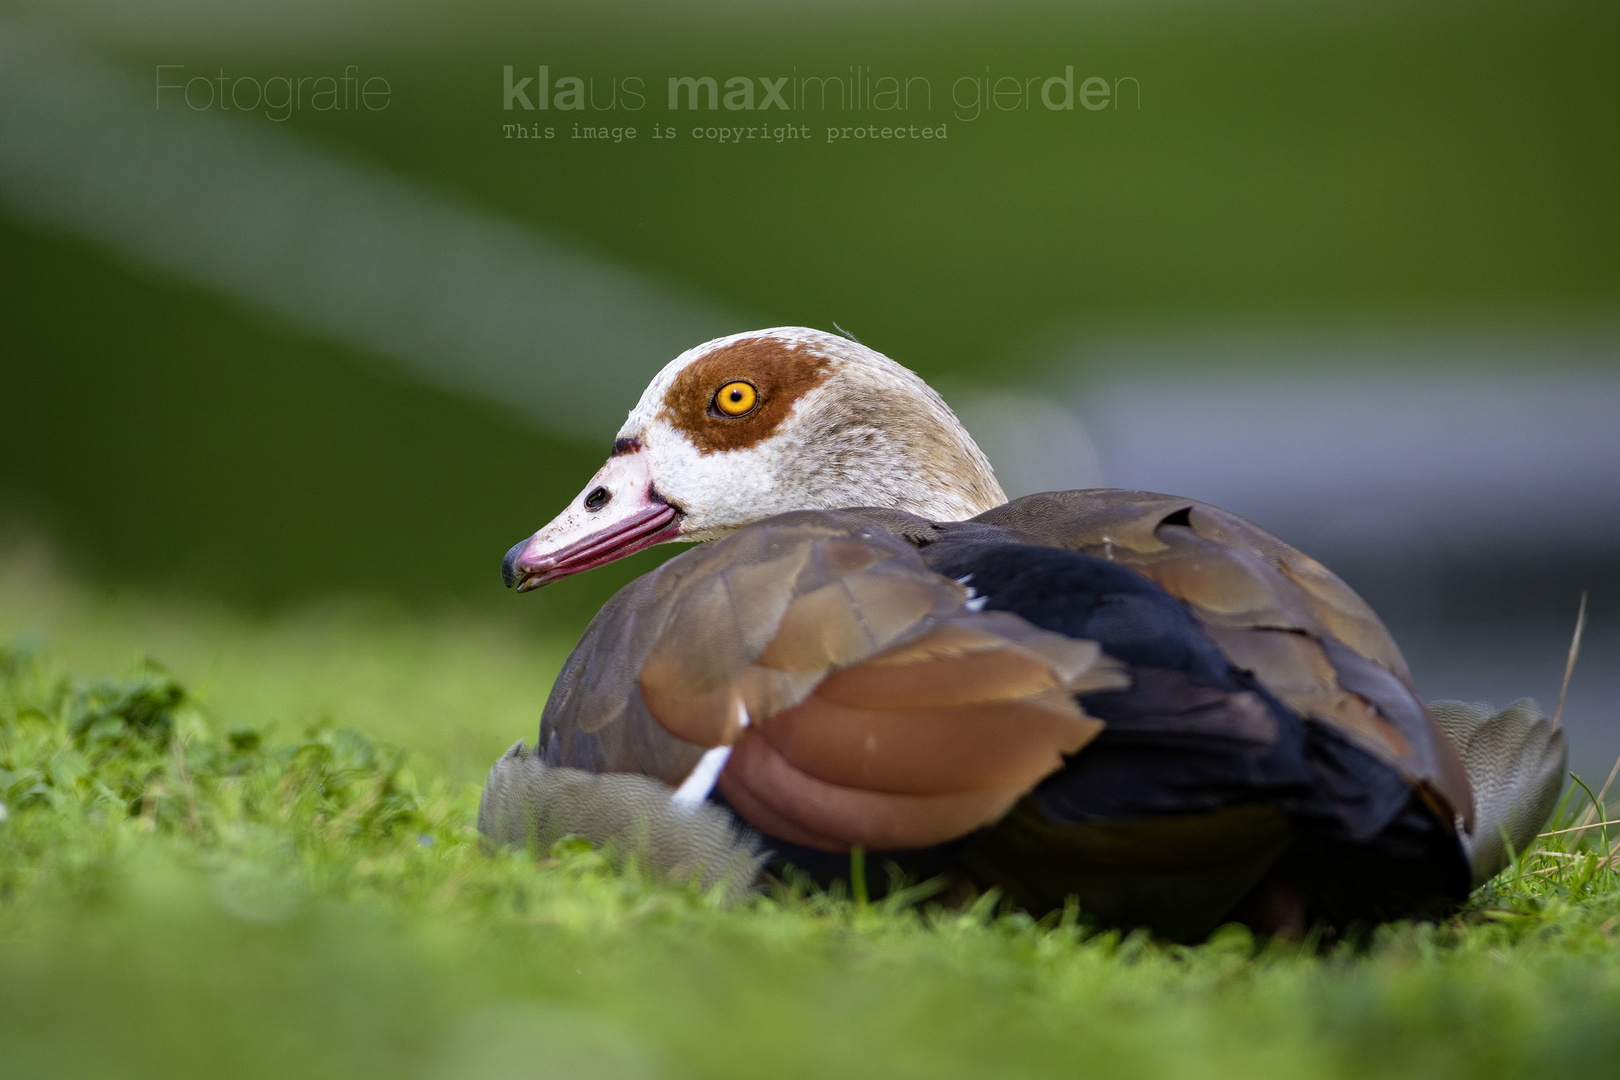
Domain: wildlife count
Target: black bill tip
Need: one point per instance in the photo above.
(509, 568)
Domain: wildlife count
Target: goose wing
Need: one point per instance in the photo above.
(864, 699)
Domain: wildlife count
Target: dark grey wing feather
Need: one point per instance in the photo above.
(528, 804)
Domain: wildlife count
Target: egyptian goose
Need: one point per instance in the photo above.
(1140, 701)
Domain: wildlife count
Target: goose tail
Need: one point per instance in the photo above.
(1516, 760)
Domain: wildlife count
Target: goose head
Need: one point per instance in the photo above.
(756, 424)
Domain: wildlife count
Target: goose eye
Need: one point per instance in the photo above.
(735, 399)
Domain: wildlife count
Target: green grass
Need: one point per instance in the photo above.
(239, 869)
(458, 687)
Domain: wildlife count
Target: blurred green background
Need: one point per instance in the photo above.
(1331, 165)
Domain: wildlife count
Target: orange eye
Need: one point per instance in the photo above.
(736, 398)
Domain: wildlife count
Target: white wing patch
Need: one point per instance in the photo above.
(701, 780)
(706, 773)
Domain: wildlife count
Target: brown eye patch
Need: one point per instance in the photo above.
(778, 373)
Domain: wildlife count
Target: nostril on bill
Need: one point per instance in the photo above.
(598, 498)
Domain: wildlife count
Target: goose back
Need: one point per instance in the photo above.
(1272, 610)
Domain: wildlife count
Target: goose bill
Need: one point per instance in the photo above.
(616, 515)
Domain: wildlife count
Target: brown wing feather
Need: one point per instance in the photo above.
(969, 659)
(785, 802)
(929, 751)
(706, 660)
(1294, 666)
(1273, 610)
